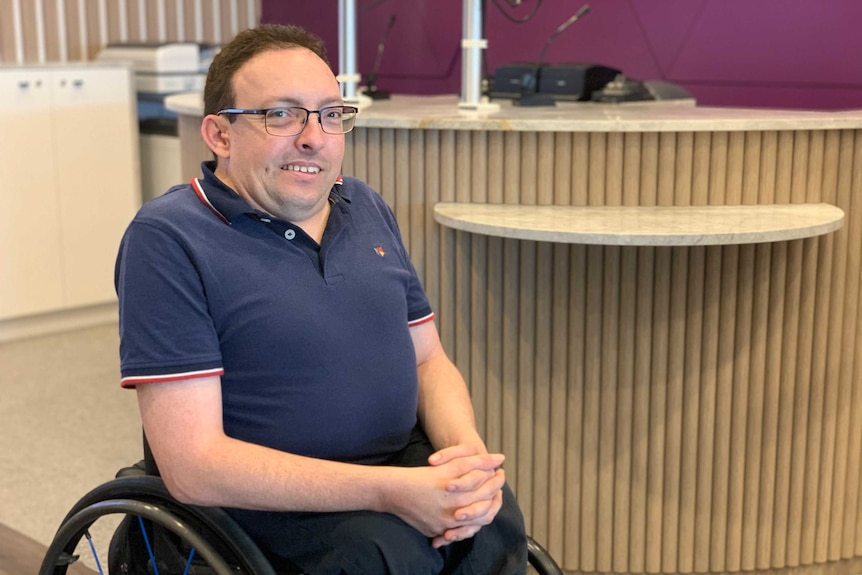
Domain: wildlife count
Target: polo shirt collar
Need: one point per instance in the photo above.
(227, 205)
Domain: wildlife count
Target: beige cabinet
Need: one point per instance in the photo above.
(70, 184)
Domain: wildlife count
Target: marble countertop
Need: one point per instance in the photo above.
(442, 113)
(643, 226)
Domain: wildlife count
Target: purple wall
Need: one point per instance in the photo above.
(762, 53)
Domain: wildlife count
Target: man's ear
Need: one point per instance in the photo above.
(215, 130)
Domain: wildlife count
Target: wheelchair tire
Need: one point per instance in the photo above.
(214, 534)
(211, 531)
(540, 560)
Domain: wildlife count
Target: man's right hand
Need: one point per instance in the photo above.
(450, 501)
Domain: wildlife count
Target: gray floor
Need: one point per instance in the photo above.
(65, 425)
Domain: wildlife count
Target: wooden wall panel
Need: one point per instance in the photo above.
(39, 31)
(668, 410)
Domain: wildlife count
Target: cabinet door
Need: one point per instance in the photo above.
(30, 261)
(98, 175)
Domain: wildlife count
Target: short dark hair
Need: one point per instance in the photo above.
(218, 91)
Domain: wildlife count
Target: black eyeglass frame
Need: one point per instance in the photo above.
(265, 111)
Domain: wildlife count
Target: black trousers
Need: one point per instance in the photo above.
(371, 543)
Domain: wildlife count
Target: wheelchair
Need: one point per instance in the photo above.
(157, 535)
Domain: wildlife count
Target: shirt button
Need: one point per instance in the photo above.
(290, 234)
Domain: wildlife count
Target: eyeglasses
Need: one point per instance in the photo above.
(290, 121)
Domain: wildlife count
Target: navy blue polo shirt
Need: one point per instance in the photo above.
(311, 341)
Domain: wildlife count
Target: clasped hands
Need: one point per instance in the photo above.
(456, 496)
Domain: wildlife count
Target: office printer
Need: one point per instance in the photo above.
(163, 68)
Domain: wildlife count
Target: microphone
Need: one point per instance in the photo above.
(371, 78)
(584, 10)
(530, 81)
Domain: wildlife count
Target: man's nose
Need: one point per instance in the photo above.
(312, 129)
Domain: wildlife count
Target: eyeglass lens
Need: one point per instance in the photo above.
(290, 121)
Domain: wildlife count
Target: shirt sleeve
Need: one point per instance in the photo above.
(166, 332)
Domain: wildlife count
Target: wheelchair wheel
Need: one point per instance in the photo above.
(179, 538)
(540, 560)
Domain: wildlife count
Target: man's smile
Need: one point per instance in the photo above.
(303, 169)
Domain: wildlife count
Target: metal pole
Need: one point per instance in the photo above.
(472, 45)
(348, 76)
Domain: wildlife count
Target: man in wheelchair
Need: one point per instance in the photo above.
(285, 355)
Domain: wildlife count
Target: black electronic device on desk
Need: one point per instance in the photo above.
(575, 81)
(541, 84)
(623, 89)
(567, 81)
(538, 84)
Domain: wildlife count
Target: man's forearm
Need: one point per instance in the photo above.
(253, 477)
(445, 408)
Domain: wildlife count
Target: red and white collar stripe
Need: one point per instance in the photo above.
(202, 196)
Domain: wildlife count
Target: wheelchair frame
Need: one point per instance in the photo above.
(226, 547)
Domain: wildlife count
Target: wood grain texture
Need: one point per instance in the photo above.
(75, 30)
(666, 410)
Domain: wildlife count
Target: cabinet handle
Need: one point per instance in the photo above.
(25, 84)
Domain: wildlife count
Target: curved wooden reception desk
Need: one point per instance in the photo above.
(665, 408)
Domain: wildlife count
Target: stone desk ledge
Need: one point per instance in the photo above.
(442, 113)
(643, 226)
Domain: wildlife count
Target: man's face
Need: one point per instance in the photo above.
(265, 169)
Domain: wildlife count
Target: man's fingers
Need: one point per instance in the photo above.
(471, 481)
(466, 456)
(480, 512)
(451, 453)
(457, 534)
(486, 482)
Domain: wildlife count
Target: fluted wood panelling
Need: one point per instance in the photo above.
(663, 410)
(39, 31)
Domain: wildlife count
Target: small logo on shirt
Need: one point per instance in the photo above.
(379, 251)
